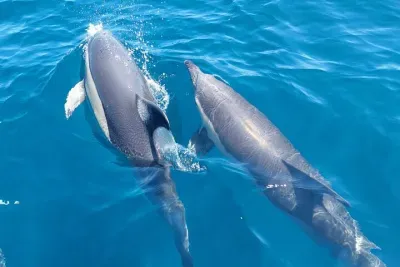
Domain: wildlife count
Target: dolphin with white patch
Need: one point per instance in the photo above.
(244, 134)
(133, 124)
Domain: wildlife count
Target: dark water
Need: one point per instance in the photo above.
(325, 72)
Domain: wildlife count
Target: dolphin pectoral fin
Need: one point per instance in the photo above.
(304, 181)
(200, 142)
(75, 97)
(151, 114)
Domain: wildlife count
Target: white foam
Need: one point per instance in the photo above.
(359, 243)
(2, 259)
(7, 202)
(159, 92)
(93, 29)
(188, 160)
(173, 154)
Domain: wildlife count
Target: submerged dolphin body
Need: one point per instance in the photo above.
(244, 134)
(133, 124)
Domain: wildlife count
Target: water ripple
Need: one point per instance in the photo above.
(325, 71)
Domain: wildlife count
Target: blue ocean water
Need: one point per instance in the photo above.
(325, 72)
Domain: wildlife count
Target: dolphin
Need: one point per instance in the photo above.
(246, 136)
(132, 124)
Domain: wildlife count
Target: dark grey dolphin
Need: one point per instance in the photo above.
(244, 134)
(131, 122)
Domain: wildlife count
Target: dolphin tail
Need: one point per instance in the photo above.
(310, 183)
(367, 259)
(175, 215)
(162, 192)
(331, 220)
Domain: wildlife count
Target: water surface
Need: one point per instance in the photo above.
(325, 72)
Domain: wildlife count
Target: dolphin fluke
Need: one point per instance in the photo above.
(186, 258)
(333, 222)
(367, 259)
(174, 212)
(178, 223)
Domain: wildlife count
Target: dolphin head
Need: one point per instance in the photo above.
(193, 70)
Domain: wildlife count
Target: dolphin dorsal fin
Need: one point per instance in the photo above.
(308, 182)
(151, 114)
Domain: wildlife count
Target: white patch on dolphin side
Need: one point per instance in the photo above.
(94, 98)
(75, 97)
(210, 130)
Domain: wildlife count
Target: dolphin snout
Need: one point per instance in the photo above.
(189, 63)
(193, 70)
(191, 66)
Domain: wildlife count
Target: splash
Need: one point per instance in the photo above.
(185, 159)
(6, 203)
(93, 29)
(173, 154)
(188, 160)
(159, 92)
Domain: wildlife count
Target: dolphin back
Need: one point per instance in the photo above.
(130, 110)
(247, 135)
